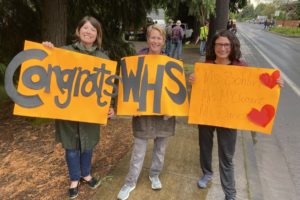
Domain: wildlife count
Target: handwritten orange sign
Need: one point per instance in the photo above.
(152, 85)
(234, 97)
(63, 84)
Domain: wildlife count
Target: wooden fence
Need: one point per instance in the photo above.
(288, 23)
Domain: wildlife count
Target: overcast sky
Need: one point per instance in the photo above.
(255, 2)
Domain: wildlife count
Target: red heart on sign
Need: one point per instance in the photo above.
(270, 81)
(262, 117)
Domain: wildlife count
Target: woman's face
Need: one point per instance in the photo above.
(222, 48)
(87, 34)
(155, 42)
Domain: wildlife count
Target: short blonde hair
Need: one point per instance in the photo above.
(96, 24)
(158, 28)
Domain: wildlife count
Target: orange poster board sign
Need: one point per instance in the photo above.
(234, 97)
(152, 85)
(65, 85)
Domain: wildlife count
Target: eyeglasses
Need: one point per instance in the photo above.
(225, 45)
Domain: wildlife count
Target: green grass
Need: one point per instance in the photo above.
(38, 121)
(2, 71)
(191, 45)
(287, 31)
(188, 68)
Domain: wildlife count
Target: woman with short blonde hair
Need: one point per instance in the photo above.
(145, 128)
(158, 28)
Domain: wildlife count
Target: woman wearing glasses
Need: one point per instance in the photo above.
(225, 50)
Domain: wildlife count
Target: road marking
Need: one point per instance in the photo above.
(285, 77)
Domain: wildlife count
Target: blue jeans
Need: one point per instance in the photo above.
(202, 47)
(79, 163)
(176, 49)
(168, 47)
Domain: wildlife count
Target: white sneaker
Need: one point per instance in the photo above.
(125, 191)
(155, 183)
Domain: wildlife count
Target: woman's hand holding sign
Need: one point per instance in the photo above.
(48, 44)
(192, 78)
(111, 112)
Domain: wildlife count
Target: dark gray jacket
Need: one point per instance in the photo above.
(150, 127)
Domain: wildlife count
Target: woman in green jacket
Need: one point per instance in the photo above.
(79, 138)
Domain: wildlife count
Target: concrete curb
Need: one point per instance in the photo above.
(253, 180)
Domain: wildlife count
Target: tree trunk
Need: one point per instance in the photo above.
(222, 11)
(219, 21)
(212, 30)
(54, 21)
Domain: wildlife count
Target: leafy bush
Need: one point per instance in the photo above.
(2, 73)
(3, 95)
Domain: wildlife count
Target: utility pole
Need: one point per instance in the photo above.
(219, 21)
(222, 13)
(285, 14)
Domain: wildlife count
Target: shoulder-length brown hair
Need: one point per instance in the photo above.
(96, 24)
(235, 53)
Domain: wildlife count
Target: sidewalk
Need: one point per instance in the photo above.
(182, 167)
(180, 174)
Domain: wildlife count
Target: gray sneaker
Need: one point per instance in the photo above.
(203, 181)
(125, 191)
(155, 183)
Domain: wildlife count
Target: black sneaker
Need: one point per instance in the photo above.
(73, 192)
(93, 183)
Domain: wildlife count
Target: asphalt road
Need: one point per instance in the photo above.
(277, 155)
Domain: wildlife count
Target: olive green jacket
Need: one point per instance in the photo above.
(79, 135)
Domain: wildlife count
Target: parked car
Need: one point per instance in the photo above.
(187, 32)
(160, 22)
(260, 19)
(140, 33)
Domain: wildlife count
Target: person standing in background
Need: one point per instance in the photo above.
(169, 37)
(177, 36)
(203, 38)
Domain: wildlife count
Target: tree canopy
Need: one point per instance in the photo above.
(56, 20)
(19, 20)
(36, 19)
(287, 10)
